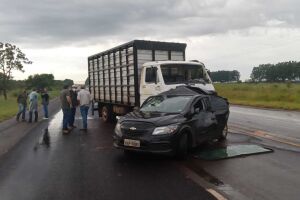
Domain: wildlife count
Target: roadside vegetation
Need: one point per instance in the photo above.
(9, 107)
(267, 95)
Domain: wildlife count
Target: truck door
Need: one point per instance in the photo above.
(150, 85)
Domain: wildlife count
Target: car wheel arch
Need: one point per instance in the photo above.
(191, 138)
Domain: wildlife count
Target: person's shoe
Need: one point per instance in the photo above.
(45, 118)
(65, 132)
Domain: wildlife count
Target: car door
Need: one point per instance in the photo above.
(202, 121)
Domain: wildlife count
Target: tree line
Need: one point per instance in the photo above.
(225, 76)
(13, 59)
(280, 72)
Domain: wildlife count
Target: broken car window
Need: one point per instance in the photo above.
(167, 105)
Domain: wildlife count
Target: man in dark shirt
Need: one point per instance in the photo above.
(45, 102)
(73, 94)
(66, 105)
(22, 104)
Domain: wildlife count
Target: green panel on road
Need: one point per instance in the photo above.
(231, 151)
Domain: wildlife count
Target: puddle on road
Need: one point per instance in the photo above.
(231, 151)
(44, 140)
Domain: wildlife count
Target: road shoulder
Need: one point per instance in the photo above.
(12, 132)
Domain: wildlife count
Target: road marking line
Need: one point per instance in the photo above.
(270, 136)
(216, 194)
(265, 135)
(291, 119)
(201, 182)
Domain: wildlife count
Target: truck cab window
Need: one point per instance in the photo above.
(151, 75)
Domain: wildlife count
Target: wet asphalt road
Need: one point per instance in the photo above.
(282, 123)
(86, 166)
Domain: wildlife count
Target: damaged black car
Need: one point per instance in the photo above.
(173, 122)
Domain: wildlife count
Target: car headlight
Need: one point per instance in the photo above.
(118, 129)
(165, 130)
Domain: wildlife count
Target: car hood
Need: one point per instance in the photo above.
(156, 118)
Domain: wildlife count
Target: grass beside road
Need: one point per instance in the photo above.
(267, 95)
(9, 107)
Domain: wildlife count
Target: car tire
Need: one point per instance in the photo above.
(106, 114)
(224, 133)
(183, 147)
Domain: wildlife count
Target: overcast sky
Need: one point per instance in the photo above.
(59, 35)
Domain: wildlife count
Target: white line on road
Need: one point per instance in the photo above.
(225, 189)
(266, 116)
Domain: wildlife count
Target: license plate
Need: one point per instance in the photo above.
(132, 143)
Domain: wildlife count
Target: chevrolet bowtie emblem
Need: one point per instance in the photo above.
(132, 128)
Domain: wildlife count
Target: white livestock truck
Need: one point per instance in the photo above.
(121, 78)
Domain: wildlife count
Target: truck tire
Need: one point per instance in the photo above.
(183, 147)
(106, 114)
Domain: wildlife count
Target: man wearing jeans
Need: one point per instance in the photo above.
(22, 103)
(45, 102)
(84, 98)
(66, 105)
(33, 105)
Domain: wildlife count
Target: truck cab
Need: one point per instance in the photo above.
(160, 76)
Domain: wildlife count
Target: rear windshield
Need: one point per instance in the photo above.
(184, 73)
(168, 105)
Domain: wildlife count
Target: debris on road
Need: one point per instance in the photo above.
(232, 151)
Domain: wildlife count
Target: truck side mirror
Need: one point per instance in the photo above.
(208, 72)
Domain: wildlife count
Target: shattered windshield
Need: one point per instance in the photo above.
(168, 105)
(184, 73)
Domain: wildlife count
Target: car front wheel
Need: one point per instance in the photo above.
(182, 148)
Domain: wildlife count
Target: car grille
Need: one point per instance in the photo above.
(136, 128)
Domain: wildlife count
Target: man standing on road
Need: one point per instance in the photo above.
(22, 103)
(45, 102)
(33, 105)
(66, 105)
(84, 97)
(73, 94)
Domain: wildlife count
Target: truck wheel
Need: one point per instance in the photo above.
(183, 147)
(106, 114)
(224, 133)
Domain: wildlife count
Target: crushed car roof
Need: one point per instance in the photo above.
(186, 90)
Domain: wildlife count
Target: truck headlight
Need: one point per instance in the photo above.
(165, 130)
(118, 129)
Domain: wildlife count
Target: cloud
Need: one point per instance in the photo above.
(58, 23)
(225, 34)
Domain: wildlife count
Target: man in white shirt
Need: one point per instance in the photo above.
(84, 99)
